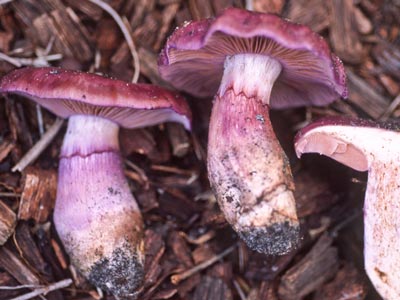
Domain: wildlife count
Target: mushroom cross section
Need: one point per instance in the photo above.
(250, 62)
(96, 216)
(374, 147)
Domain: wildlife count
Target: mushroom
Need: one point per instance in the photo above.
(251, 62)
(95, 214)
(373, 147)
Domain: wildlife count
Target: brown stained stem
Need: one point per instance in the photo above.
(127, 35)
(44, 290)
(38, 148)
(175, 279)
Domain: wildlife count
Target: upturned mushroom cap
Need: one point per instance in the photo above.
(373, 147)
(193, 57)
(67, 92)
(355, 143)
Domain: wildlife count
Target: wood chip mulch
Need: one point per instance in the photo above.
(166, 166)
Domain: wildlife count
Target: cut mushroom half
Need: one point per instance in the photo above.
(373, 147)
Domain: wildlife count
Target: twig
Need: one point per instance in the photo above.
(239, 290)
(37, 62)
(40, 119)
(175, 279)
(38, 148)
(391, 108)
(139, 171)
(18, 287)
(11, 195)
(125, 32)
(44, 290)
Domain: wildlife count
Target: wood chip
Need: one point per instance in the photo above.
(347, 285)
(317, 267)
(137, 141)
(50, 19)
(200, 9)
(13, 265)
(365, 97)
(313, 13)
(344, 34)
(388, 57)
(179, 139)
(31, 252)
(5, 148)
(268, 6)
(8, 220)
(38, 195)
(211, 288)
(312, 194)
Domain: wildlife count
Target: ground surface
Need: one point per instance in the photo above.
(166, 166)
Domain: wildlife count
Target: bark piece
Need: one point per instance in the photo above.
(268, 6)
(179, 139)
(388, 57)
(344, 34)
(50, 19)
(8, 220)
(181, 250)
(318, 266)
(365, 97)
(168, 16)
(31, 252)
(312, 194)
(154, 249)
(136, 141)
(347, 285)
(200, 9)
(38, 195)
(13, 265)
(147, 199)
(313, 13)
(142, 8)
(364, 25)
(17, 123)
(7, 280)
(212, 288)
(90, 9)
(6, 147)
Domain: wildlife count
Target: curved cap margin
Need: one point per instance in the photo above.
(67, 92)
(193, 57)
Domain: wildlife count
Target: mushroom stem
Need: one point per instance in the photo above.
(95, 214)
(381, 228)
(242, 151)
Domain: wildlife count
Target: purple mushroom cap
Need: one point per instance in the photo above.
(67, 92)
(193, 57)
